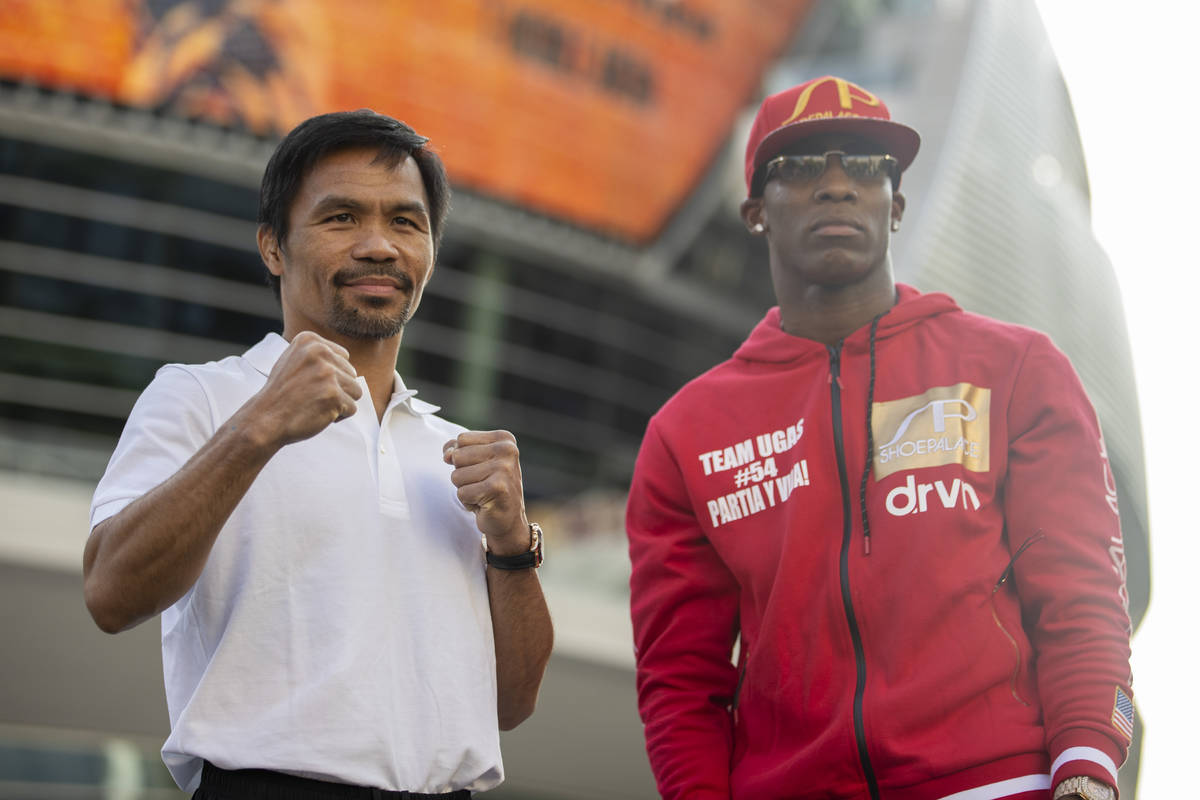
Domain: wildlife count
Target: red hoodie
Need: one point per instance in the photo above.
(952, 621)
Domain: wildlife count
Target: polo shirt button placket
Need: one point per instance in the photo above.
(389, 471)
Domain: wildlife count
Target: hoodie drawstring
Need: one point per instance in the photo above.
(862, 487)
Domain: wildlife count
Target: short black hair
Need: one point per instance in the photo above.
(319, 136)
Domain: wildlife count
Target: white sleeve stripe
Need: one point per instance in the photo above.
(1002, 789)
(1086, 754)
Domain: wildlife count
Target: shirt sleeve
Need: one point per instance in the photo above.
(1061, 499)
(684, 606)
(168, 424)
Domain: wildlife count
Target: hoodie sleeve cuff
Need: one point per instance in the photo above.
(1084, 753)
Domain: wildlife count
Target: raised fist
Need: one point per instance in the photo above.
(487, 472)
(311, 386)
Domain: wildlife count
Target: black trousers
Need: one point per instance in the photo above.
(263, 784)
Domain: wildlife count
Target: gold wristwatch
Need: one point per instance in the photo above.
(1087, 788)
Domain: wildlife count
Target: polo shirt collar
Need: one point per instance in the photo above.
(263, 356)
(403, 394)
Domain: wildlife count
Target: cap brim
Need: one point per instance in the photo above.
(900, 141)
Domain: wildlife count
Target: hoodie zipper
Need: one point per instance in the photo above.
(860, 660)
(737, 694)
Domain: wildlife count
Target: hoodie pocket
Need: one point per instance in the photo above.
(1006, 578)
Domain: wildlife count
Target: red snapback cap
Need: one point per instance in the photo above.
(824, 105)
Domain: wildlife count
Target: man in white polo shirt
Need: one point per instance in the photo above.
(310, 531)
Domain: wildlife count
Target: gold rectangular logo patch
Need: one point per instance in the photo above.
(945, 425)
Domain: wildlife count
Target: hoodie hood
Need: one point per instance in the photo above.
(769, 343)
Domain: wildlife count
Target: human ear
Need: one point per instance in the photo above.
(269, 250)
(898, 204)
(754, 216)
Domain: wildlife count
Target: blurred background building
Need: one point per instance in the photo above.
(594, 261)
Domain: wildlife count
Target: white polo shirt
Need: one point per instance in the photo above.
(340, 629)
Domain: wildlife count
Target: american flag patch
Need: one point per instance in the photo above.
(1122, 716)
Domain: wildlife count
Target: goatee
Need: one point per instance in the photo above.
(372, 318)
(357, 323)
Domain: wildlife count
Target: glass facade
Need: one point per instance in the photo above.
(110, 268)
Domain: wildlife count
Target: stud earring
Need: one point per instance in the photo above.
(895, 225)
(758, 228)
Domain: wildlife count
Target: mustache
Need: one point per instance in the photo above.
(344, 276)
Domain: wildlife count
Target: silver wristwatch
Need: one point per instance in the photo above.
(1087, 788)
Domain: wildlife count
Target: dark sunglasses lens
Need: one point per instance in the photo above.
(809, 167)
(797, 168)
(861, 166)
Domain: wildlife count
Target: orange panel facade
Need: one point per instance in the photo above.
(601, 113)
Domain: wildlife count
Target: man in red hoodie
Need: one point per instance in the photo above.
(876, 553)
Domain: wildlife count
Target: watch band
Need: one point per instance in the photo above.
(1087, 788)
(530, 559)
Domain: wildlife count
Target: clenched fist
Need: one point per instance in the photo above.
(487, 472)
(311, 386)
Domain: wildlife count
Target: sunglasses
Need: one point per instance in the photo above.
(803, 168)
